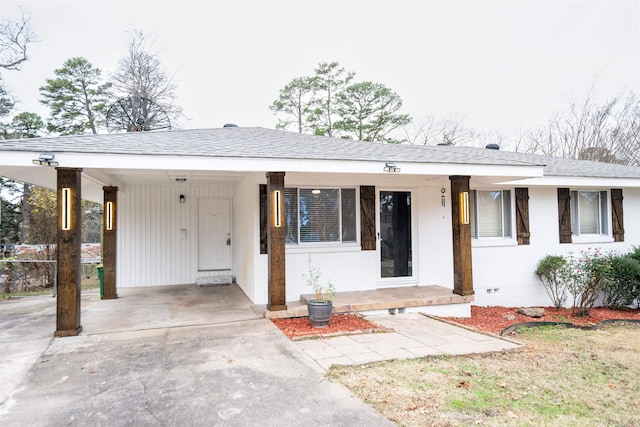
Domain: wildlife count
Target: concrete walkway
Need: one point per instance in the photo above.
(187, 355)
(414, 336)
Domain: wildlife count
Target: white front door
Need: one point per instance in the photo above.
(214, 234)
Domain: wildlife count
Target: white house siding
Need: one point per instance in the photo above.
(151, 250)
(435, 240)
(510, 269)
(246, 233)
(347, 266)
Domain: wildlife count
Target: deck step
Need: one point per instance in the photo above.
(393, 300)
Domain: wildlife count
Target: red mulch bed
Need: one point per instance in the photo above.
(495, 319)
(488, 319)
(299, 327)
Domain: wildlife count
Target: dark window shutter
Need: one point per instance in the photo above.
(263, 218)
(522, 215)
(616, 214)
(564, 215)
(368, 217)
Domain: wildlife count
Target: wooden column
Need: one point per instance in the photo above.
(109, 226)
(275, 241)
(462, 266)
(69, 238)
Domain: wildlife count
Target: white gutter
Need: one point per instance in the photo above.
(238, 164)
(574, 182)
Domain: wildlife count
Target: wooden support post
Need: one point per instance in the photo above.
(69, 238)
(109, 240)
(461, 226)
(275, 241)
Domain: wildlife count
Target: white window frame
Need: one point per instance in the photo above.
(502, 240)
(335, 246)
(604, 217)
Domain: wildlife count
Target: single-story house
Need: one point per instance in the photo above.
(253, 204)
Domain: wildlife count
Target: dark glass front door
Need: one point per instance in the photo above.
(395, 234)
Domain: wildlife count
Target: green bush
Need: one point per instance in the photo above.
(624, 287)
(586, 276)
(549, 271)
(635, 253)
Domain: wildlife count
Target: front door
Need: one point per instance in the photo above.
(214, 234)
(395, 235)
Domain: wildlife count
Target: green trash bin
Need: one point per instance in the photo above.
(101, 279)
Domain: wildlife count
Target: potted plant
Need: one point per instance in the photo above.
(320, 307)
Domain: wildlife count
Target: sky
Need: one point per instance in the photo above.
(500, 66)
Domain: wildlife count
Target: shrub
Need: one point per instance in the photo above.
(624, 287)
(586, 276)
(549, 272)
(635, 253)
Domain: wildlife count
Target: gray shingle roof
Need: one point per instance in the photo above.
(254, 142)
(556, 166)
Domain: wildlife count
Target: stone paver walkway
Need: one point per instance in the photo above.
(414, 336)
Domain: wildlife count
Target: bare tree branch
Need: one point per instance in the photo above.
(606, 131)
(141, 75)
(15, 38)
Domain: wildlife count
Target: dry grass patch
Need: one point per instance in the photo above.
(565, 377)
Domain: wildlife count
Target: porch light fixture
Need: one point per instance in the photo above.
(391, 167)
(182, 198)
(46, 159)
(464, 207)
(66, 209)
(109, 214)
(277, 209)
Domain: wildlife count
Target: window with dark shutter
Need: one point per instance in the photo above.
(616, 215)
(368, 217)
(564, 215)
(522, 216)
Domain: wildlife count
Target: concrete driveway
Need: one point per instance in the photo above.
(132, 366)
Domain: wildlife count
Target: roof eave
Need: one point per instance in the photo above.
(577, 181)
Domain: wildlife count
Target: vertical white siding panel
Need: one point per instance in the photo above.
(151, 251)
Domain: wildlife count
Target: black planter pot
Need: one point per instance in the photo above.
(319, 313)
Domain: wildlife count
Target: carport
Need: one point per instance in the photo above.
(87, 170)
(138, 309)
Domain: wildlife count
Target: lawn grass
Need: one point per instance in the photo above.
(564, 377)
(86, 283)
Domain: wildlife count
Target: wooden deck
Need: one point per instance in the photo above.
(392, 299)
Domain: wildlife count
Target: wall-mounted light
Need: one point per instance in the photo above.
(391, 167)
(277, 209)
(66, 209)
(442, 198)
(109, 215)
(182, 198)
(464, 207)
(46, 159)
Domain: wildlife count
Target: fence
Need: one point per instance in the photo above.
(18, 275)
